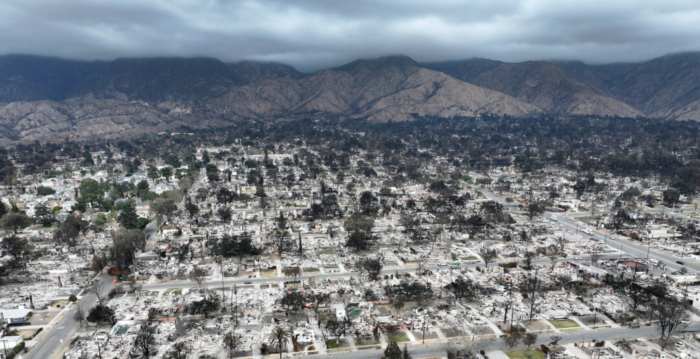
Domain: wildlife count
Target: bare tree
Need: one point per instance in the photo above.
(197, 275)
(80, 315)
(532, 288)
(460, 348)
(555, 339)
(97, 287)
(553, 259)
(561, 241)
(145, 344)
(487, 255)
(293, 272)
(672, 314)
(528, 259)
(529, 339)
(514, 337)
(421, 267)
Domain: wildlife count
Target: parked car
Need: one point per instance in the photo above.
(681, 263)
(634, 325)
(247, 282)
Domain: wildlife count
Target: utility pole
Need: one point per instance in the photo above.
(620, 252)
(648, 249)
(223, 290)
(683, 251)
(235, 307)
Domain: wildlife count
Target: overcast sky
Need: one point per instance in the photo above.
(323, 33)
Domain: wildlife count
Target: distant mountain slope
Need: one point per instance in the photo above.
(663, 86)
(546, 85)
(49, 98)
(31, 78)
(253, 71)
(389, 88)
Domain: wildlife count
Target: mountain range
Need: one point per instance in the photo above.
(44, 98)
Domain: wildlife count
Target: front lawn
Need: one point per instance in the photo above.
(524, 354)
(564, 324)
(333, 344)
(399, 337)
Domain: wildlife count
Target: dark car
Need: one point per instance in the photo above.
(681, 263)
(247, 282)
(634, 325)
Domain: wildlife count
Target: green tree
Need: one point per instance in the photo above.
(404, 353)
(153, 173)
(44, 191)
(69, 230)
(43, 215)
(142, 189)
(125, 244)
(371, 266)
(16, 247)
(15, 221)
(163, 206)
(211, 168)
(671, 197)
(225, 196)
(90, 192)
(534, 209)
(224, 213)
(166, 172)
(102, 314)
(127, 216)
(392, 351)
(191, 208)
(100, 219)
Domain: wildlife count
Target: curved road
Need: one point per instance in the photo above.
(60, 333)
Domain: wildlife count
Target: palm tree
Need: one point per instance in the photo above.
(278, 337)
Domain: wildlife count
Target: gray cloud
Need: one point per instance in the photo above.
(320, 33)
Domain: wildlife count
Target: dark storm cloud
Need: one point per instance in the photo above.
(319, 33)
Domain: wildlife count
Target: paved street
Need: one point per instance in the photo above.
(393, 270)
(63, 331)
(632, 249)
(488, 345)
